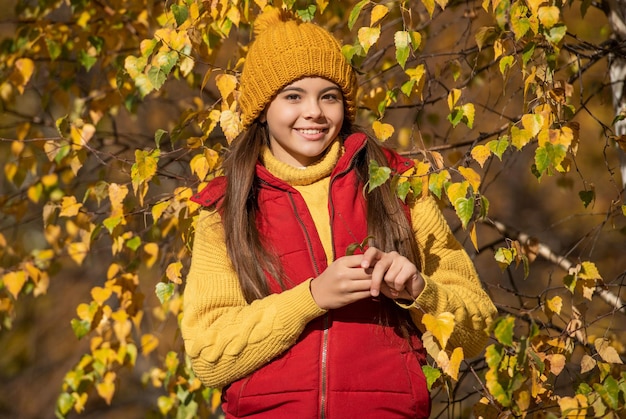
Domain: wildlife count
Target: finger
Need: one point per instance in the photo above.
(371, 256)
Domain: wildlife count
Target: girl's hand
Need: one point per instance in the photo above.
(392, 274)
(343, 282)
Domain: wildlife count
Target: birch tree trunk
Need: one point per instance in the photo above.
(616, 13)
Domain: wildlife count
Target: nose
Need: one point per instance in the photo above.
(313, 110)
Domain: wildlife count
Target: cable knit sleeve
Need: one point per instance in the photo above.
(225, 337)
(452, 283)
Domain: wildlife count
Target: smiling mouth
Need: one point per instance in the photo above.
(311, 131)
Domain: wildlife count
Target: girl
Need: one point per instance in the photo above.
(275, 312)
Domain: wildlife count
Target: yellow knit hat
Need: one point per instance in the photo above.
(286, 49)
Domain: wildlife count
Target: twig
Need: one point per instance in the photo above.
(564, 263)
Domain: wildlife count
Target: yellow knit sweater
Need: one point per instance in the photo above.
(227, 339)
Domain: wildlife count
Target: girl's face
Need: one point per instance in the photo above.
(303, 120)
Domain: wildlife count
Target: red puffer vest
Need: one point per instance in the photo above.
(346, 364)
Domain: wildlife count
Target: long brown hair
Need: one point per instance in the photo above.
(386, 219)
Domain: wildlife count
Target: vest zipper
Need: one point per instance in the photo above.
(326, 319)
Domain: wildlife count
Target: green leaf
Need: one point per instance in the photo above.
(401, 41)
(528, 52)
(436, 182)
(556, 33)
(112, 222)
(157, 77)
(164, 291)
(158, 135)
(356, 11)
(65, 402)
(307, 14)
(134, 243)
(493, 355)
(80, 327)
(464, 209)
(402, 190)
(609, 391)
(503, 330)
(54, 49)
(499, 146)
(378, 175)
(505, 63)
(455, 116)
(86, 60)
(432, 374)
(505, 256)
(549, 156)
(520, 27)
(181, 13)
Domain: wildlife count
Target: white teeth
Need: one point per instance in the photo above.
(311, 131)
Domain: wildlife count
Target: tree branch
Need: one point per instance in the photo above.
(564, 263)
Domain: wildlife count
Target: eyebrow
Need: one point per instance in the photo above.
(301, 90)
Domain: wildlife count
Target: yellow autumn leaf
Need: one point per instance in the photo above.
(231, 124)
(438, 159)
(100, 295)
(368, 37)
(606, 351)
(549, 16)
(457, 191)
(173, 272)
(589, 271)
(149, 343)
(557, 363)
(481, 154)
(430, 6)
(422, 168)
(199, 166)
(432, 348)
(520, 137)
(85, 312)
(574, 407)
(471, 176)
(382, 130)
(81, 134)
(69, 206)
(226, 84)
(442, 3)
(80, 399)
(587, 363)
(533, 5)
(117, 194)
(440, 326)
(158, 209)
(378, 12)
(10, 170)
(23, 71)
(106, 389)
(152, 250)
(455, 363)
(473, 236)
(122, 329)
(78, 251)
(555, 304)
(533, 123)
(453, 98)
(14, 282)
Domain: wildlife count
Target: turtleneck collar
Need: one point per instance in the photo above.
(301, 176)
